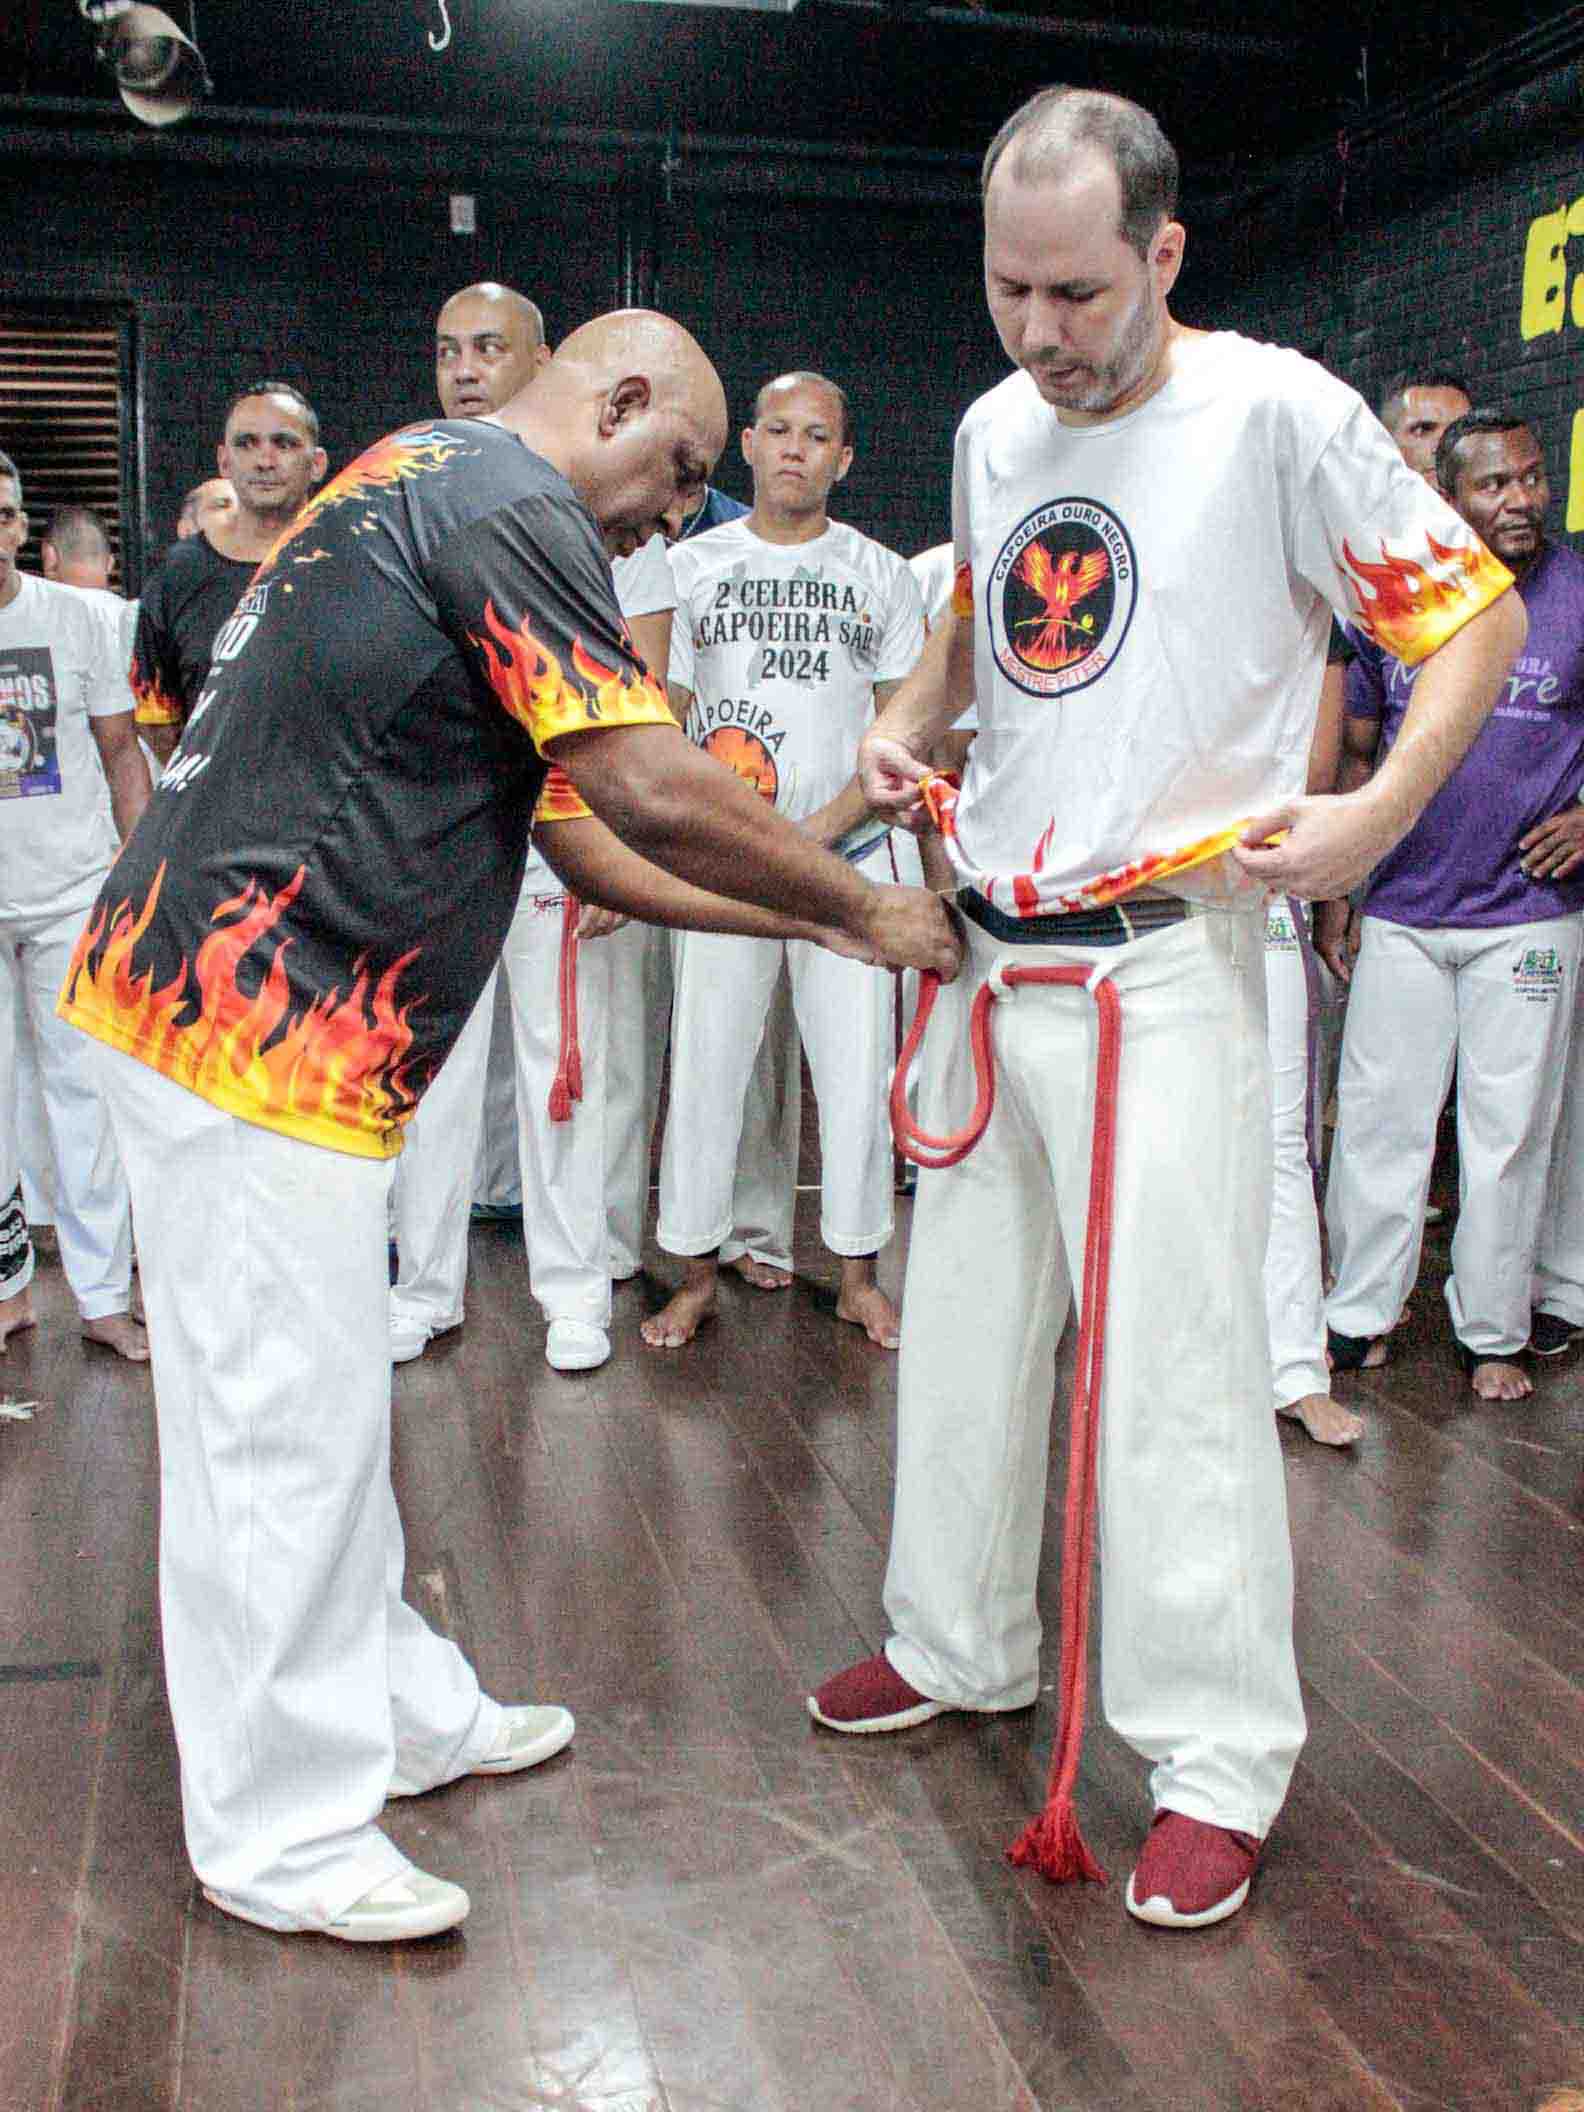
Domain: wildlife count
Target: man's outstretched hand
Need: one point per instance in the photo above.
(901, 927)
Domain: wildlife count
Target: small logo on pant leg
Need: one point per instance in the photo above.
(1537, 974)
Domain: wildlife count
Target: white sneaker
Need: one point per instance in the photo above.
(531, 1733)
(576, 1345)
(412, 1903)
(411, 1334)
(408, 1339)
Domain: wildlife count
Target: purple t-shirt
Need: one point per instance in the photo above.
(1459, 864)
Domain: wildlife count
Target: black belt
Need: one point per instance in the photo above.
(1078, 927)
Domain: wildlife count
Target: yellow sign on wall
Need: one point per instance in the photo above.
(1551, 302)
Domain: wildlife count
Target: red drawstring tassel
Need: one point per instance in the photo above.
(1052, 1843)
(567, 1084)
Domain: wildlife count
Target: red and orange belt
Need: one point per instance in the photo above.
(1052, 1843)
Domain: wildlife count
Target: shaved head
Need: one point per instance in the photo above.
(506, 300)
(803, 378)
(633, 414)
(489, 340)
(636, 341)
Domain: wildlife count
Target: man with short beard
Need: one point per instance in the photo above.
(1152, 527)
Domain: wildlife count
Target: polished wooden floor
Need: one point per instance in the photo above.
(708, 1904)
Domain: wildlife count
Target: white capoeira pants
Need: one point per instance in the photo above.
(844, 1012)
(1197, 1664)
(765, 1187)
(299, 1678)
(1294, 1290)
(1499, 1001)
(1559, 1258)
(33, 1144)
(497, 1177)
(563, 1163)
(93, 1218)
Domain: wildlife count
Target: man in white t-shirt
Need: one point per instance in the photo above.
(66, 728)
(1150, 523)
(790, 629)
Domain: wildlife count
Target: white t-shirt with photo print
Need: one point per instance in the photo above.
(781, 646)
(59, 668)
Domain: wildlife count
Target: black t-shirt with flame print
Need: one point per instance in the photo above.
(303, 919)
(181, 614)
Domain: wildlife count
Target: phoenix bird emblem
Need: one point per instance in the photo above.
(1060, 635)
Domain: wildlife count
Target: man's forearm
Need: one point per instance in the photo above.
(129, 793)
(668, 801)
(598, 867)
(125, 767)
(829, 823)
(1454, 695)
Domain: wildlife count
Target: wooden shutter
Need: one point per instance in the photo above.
(62, 413)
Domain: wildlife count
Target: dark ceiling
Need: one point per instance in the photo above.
(1235, 85)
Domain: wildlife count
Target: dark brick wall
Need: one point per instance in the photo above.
(330, 282)
(1427, 268)
(332, 278)
(884, 300)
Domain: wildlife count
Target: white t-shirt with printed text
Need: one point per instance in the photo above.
(1151, 600)
(58, 669)
(781, 646)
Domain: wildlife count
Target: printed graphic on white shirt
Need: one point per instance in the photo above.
(29, 763)
(1061, 597)
(1152, 599)
(781, 648)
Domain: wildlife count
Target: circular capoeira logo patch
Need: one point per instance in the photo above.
(1061, 597)
(745, 753)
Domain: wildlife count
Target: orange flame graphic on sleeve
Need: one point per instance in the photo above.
(532, 685)
(333, 1073)
(154, 706)
(962, 593)
(559, 799)
(1409, 608)
(409, 453)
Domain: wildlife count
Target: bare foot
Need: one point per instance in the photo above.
(1326, 1420)
(1500, 1382)
(16, 1313)
(684, 1313)
(120, 1332)
(862, 1301)
(763, 1275)
(1374, 1358)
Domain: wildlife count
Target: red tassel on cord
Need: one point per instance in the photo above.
(1052, 1843)
(567, 1085)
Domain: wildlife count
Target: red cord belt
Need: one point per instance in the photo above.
(1052, 1843)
